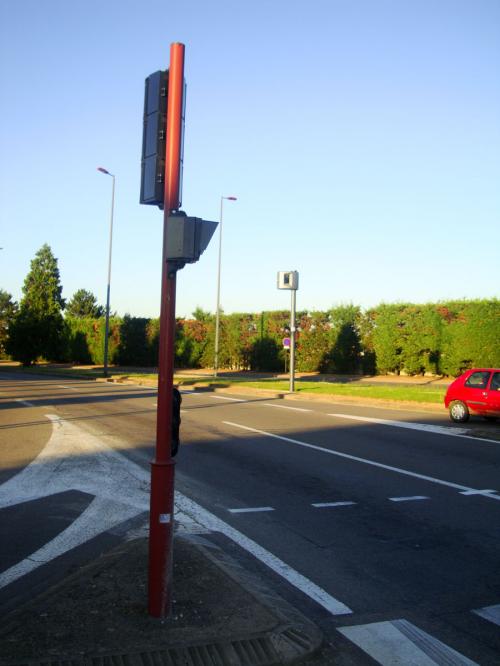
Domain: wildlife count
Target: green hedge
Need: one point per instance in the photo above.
(443, 338)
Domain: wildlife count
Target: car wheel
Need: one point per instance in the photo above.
(459, 412)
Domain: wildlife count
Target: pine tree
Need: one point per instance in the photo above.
(8, 310)
(84, 304)
(38, 329)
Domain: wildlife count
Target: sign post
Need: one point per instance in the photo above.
(290, 280)
(292, 341)
(163, 466)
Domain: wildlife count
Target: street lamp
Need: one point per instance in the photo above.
(106, 334)
(217, 312)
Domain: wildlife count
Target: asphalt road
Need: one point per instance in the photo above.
(382, 525)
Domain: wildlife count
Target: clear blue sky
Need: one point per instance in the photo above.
(361, 137)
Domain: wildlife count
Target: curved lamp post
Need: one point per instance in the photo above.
(217, 312)
(106, 334)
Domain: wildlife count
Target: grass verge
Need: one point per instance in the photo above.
(355, 390)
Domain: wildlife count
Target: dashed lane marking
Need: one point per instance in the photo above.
(409, 499)
(365, 461)
(223, 397)
(325, 505)
(255, 509)
(295, 409)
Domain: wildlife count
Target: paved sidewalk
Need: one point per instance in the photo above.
(98, 616)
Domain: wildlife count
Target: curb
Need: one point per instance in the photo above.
(295, 637)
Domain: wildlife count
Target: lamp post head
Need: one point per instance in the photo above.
(102, 170)
(230, 198)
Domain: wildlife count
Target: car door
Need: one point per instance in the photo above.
(475, 392)
(493, 399)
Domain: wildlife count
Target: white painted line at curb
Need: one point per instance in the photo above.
(423, 427)
(373, 463)
(211, 522)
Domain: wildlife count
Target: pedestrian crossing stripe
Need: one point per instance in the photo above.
(490, 613)
(401, 642)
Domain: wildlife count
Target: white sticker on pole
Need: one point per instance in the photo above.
(165, 518)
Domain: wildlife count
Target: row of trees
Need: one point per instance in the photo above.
(442, 338)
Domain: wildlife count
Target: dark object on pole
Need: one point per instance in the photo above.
(154, 139)
(176, 421)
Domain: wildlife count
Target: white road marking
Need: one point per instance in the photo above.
(102, 514)
(324, 505)
(424, 427)
(254, 509)
(26, 403)
(295, 409)
(223, 397)
(70, 388)
(400, 642)
(486, 493)
(203, 517)
(73, 459)
(408, 499)
(490, 613)
(331, 452)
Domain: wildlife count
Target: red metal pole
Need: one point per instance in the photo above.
(161, 518)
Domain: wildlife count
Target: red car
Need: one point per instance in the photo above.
(476, 391)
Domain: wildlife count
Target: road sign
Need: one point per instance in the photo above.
(286, 343)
